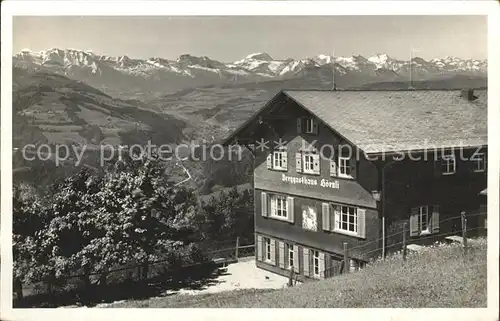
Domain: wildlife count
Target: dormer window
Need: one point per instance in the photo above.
(309, 125)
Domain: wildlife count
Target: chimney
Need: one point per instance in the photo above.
(468, 94)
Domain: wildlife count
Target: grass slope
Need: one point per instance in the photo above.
(439, 277)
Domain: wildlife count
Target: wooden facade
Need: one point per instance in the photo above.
(307, 208)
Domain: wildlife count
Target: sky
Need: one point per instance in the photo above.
(231, 38)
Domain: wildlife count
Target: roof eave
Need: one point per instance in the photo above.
(407, 151)
(235, 133)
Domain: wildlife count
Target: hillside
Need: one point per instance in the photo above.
(439, 277)
(56, 109)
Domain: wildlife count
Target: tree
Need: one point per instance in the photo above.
(92, 223)
(227, 215)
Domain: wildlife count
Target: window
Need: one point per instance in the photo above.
(348, 219)
(309, 125)
(289, 261)
(344, 166)
(423, 219)
(279, 160)
(479, 162)
(448, 164)
(315, 255)
(279, 206)
(267, 249)
(308, 163)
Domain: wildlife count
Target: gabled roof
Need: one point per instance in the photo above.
(397, 121)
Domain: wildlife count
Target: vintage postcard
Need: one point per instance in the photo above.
(326, 158)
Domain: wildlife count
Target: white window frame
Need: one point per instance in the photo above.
(315, 263)
(479, 161)
(279, 207)
(448, 160)
(344, 165)
(278, 156)
(338, 226)
(289, 256)
(267, 249)
(309, 122)
(308, 169)
(421, 214)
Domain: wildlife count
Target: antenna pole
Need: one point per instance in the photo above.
(334, 87)
(411, 65)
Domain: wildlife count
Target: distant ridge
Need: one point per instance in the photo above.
(153, 76)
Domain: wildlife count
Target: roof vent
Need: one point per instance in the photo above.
(468, 94)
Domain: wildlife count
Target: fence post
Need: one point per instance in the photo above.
(404, 241)
(347, 266)
(291, 277)
(18, 289)
(237, 246)
(464, 231)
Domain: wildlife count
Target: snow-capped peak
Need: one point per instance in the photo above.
(379, 58)
(251, 68)
(260, 56)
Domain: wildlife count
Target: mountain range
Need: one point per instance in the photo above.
(139, 78)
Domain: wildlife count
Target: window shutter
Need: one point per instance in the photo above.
(296, 259)
(435, 219)
(353, 165)
(299, 125)
(298, 162)
(259, 248)
(273, 252)
(321, 265)
(326, 216)
(263, 204)
(438, 166)
(336, 212)
(285, 160)
(333, 168)
(281, 254)
(414, 222)
(361, 222)
(270, 160)
(315, 127)
(316, 164)
(289, 211)
(305, 254)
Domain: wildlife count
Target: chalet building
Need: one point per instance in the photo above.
(356, 166)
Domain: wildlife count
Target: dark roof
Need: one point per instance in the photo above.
(399, 120)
